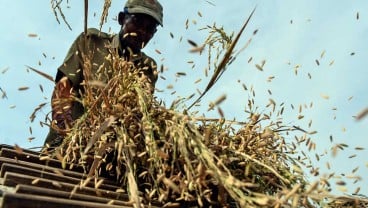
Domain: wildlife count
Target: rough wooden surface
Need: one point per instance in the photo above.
(28, 182)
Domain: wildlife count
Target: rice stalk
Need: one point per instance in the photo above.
(105, 12)
(225, 60)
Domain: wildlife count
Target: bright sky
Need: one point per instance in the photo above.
(292, 34)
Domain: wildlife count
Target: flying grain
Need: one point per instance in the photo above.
(211, 3)
(219, 100)
(362, 114)
(23, 88)
(3, 71)
(323, 54)
(178, 74)
(357, 190)
(158, 51)
(324, 96)
(41, 88)
(192, 43)
(32, 35)
(18, 150)
(197, 81)
(250, 59)
(197, 49)
(352, 156)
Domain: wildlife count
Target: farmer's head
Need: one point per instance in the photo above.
(139, 22)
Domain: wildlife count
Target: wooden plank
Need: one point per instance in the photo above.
(32, 190)
(42, 167)
(10, 153)
(15, 200)
(6, 146)
(23, 169)
(13, 179)
(49, 169)
(51, 176)
(7, 167)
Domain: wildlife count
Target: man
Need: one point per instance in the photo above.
(139, 22)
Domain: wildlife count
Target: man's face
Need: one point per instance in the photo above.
(137, 30)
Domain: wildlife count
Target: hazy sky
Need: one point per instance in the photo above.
(292, 34)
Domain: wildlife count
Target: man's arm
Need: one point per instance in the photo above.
(61, 104)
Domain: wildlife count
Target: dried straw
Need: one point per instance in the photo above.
(161, 155)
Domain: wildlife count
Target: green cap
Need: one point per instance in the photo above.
(150, 7)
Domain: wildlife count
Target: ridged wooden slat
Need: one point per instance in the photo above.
(14, 200)
(46, 168)
(6, 146)
(28, 157)
(27, 189)
(42, 167)
(44, 184)
(33, 158)
(13, 179)
(42, 174)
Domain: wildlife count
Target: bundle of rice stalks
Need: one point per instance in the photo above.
(157, 154)
(160, 155)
